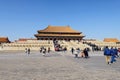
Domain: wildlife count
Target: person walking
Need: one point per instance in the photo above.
(72, 50)
(76, 53)
(40, 50)
(113, 55)
(82, 54)
(86, 53)
(48, 49)
(44, 51)
(28, 51)
(25, 50)
(107, 54)
(116, 52)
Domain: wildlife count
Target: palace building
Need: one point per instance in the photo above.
(51, 37)
(56, 38)
(4, 40)
(59, 33)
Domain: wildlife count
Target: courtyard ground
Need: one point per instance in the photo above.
(56, 66)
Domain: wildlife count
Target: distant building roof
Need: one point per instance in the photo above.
(4, 40)
(61, 29)
(111, 40)
(25, 39)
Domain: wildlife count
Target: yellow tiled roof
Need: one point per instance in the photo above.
(59, 29)
(111, 40)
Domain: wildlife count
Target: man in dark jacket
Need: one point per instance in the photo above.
(116, 52)
(86, 53)
(113, 55)
(28, 51)
(107, 54)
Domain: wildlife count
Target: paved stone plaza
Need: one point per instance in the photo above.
(56, 66)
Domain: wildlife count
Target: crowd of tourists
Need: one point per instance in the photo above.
(27, 50)
(42, 50)
(78, 53)
(110, 54)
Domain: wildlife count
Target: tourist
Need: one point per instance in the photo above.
(28, 51)
(25, 50)
(72, 50)
(85, 51)
(48, 49)
(82, 54)
(116, 52)
(113, 55)
(40, 50)
(76, 53)
(44, 51)
(78, 50)
(107, 54)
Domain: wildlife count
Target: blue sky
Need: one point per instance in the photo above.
(97, 19)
